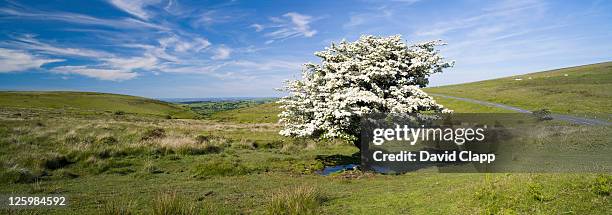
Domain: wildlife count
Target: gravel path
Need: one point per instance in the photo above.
(568, 118)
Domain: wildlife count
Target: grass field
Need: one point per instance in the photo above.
(234, 162)
(574, 90)
(92, 103)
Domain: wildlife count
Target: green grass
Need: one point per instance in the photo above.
(266, 113)
(92, 103)
(252, 170)
(459, 106)
(585, 89)
(236, 163)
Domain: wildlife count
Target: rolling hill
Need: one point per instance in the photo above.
(263, 113)
(89, 102)
(573, 90)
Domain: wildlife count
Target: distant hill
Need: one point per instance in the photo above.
(92, 102)
(263, 113)
(580, 89)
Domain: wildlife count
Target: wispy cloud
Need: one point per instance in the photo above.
(98, 73)
(125, 23)
(17, 60)
(135, 7)
(257, 27)
(29, 42)
(180, 44)
(289, 25)
(222, 53)
(107, 67)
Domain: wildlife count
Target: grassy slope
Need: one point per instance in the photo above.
(585, 89)
(85, 102)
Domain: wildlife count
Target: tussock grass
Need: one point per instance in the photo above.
(117, 206)
(245, 144)
(17, 174)
(302, 199)
(170, 203)
(151, 168)
(186, 146)
(155, 133)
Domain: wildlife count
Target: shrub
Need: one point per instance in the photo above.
(297, 200)
(171, 204)
(155, 133)
(119, 112)
(202, 138)
(542, 114)
(54, 161)
(537, 192)
(602, 185)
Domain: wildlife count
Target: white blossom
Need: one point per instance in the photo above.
(370, 75)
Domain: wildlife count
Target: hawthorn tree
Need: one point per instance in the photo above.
(370, 75)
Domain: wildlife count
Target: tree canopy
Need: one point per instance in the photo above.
(370, 75)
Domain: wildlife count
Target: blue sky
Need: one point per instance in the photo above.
(179, 48)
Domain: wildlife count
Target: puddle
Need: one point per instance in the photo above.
(335, 169)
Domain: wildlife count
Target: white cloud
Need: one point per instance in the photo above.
(127, 23)
(179, 44)
(257, 27)
(300, 23)
(290, 25)
(99, 73)
(222, 53)
(16, 60)
(135, 7)
(29, 42)
(241, 69)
